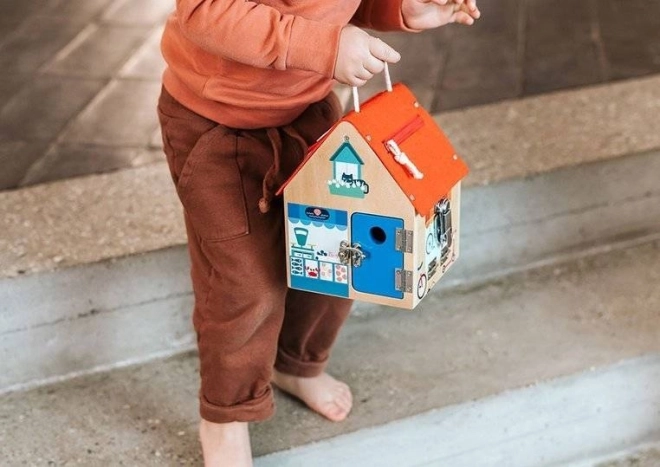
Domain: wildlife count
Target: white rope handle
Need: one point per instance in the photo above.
(388, 85)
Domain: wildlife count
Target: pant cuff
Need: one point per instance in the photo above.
(289, 365)
(254, 410)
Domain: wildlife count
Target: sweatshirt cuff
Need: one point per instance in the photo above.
(313, 46)
(390, 17)
(383, 15)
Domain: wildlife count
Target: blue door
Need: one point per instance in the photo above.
(377, 238)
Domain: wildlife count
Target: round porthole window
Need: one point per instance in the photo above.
(378, 235)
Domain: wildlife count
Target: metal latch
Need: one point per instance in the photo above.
(403, 280)
(443, 227)
(404, 240)
(350, 254)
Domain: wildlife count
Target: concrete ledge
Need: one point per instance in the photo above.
(90, 318)
(645, 455)
(563, 422)
(523, 222)
(88, 219)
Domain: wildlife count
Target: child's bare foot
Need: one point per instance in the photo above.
(323, 393)
(225, 444)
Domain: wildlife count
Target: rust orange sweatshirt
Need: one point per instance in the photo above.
(254, 64)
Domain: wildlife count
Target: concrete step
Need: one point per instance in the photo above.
(94, 272)
(562, 422)
(543, 367)
(643, 456)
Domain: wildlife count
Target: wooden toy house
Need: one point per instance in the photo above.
(372, 213)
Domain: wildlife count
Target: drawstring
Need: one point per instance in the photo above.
(268, 182)
(293, 133)
(274, 176)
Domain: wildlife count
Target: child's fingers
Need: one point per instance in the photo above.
(472, 4)
(473, 10)
(461, 17)
(364, 75)
(383, 52)
(467, 6)
(373, 65)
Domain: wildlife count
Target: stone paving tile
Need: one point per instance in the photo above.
(482, 51)
(98, 51)
(16, 157)
(81, 11)
(518, 48)
(65, 161)
(149, 12)
(451, 99)
(123, 114)
(9, 86)
(562, 70)
(560, 48)
(483, 62)
(21, 9)
(35, 42)
(498, 17)
(631, 37)
(148, 62)
(7, 28)
(419, 71)
(43, 107)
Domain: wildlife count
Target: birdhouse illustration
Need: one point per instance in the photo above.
(372, 213)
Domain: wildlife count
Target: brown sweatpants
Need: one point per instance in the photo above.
(245, 317)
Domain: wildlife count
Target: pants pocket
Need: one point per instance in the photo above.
(211, 188)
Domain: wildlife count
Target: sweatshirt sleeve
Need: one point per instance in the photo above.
(381, 15)
(259, 35)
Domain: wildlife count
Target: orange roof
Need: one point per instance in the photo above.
(396, 115)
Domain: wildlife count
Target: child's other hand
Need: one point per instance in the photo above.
(361, 56)
(428, 14)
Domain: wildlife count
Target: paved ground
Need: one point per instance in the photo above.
(80, 77)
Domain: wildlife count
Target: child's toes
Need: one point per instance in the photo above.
(344, 396)
(349, 394)
(335, 412)
(344, 404)
(344, 389)
(342, 412)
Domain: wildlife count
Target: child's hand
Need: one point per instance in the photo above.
(428, 14)
(361, 56)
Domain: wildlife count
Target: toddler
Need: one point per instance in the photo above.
(248, 87)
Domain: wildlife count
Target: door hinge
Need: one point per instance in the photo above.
(403, 280)
(404, 240)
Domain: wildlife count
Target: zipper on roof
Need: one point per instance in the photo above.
(392, 146)
(406, 130)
